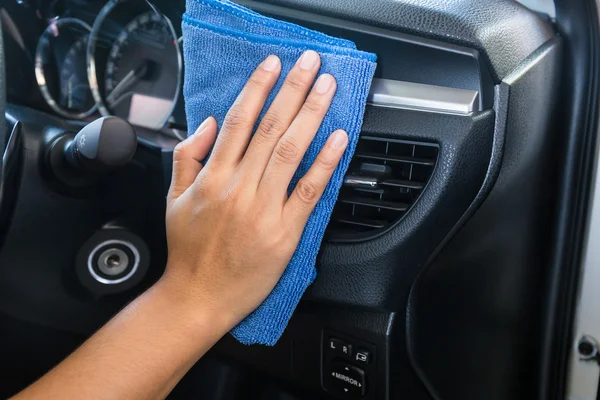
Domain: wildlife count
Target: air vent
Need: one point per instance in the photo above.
(386, 177)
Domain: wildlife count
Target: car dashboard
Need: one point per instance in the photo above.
(427, 235)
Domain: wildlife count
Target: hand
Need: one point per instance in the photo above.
(231, 228)
(231, 231)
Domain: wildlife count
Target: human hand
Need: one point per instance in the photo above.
(231, 228)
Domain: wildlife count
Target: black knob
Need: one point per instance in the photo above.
(102, 145)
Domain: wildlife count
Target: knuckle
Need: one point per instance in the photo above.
(279, 241)
(307, 191)
(203, 188)
(270, 127)
(258, 79)
(296, 83)
(179, 150)
(287, 151)
(313, 106)
(236, 117)
(326, 163)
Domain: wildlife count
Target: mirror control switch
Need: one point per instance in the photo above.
(348, 380)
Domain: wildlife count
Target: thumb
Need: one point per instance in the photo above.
(187, 158)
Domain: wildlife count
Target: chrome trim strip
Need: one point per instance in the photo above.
(360, 182)
(418, 96)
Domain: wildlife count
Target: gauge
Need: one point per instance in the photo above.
(141, 78)
(60, 68)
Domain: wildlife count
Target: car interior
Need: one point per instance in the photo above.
(452, 264)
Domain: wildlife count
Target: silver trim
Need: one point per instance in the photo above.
(418, 96)
(40, 75)
(136, 262)
(359, 181)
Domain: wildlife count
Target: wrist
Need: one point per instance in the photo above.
(201, 313)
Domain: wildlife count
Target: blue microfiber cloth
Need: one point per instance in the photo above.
(223, 44)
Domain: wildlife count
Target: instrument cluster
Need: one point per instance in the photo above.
(126, 62)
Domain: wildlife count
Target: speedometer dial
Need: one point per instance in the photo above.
(141, 78)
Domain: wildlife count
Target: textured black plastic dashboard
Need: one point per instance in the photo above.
(504, 30)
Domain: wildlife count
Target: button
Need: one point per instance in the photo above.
(348, 379)
(362, 356)
(339, 347)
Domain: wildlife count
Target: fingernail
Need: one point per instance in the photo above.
(309, 60)
(271, 63)
(339, 140)
(324, 84)
(202, 127)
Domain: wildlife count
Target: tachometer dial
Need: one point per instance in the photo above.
(60, 67)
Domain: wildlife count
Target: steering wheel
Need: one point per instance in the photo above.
(8, 144)
(3, 127)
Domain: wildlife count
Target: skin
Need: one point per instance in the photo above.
(231, 231)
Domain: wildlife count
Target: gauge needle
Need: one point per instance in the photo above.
(131, 78)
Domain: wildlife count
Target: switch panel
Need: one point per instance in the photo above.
(348, 366)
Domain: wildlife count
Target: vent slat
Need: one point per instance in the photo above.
(366, 202)
(371, 182)
(384, 180)
(366, 182)
(365, 223)
(400, 183)
(394, 158)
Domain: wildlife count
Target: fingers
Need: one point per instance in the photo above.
(290, 149)
(187, 158)
(282, 112)
(241, 118)
(310, 188)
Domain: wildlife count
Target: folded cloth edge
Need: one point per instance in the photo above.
(320, 47)
(251, 16)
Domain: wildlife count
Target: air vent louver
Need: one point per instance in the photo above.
(385, 179)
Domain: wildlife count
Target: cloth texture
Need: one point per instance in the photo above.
(223, 44)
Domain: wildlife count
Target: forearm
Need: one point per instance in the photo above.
(140, 354)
